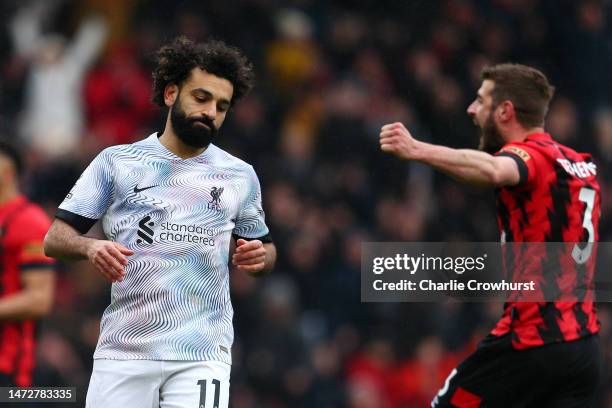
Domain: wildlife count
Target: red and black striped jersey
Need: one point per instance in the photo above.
(24, 227)
(556, 200)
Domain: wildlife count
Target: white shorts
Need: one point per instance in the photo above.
(158, 384)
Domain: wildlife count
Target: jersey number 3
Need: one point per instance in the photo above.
(581, 255)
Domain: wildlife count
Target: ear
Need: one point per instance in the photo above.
(170, 93)
(8, 171)
(506, 111)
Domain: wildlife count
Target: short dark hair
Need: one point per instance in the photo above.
(11, 151)
(527, 88)
(176, 60)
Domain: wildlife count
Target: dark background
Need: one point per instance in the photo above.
(329, 75)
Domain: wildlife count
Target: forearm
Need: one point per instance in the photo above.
(466, 165)
(64, 242)
(269, 262)
(27, 304)
(89, 42)
(109, 258)
(270, 257)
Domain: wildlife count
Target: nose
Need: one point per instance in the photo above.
(210, 111)
(471, 110)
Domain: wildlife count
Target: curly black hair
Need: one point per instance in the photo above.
(176, 60)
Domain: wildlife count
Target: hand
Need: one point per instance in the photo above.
(250, 256)
(109, 258)
(397, 140)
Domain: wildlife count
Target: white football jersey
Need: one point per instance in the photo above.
(178, 216)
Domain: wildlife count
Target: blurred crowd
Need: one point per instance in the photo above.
(75, 78)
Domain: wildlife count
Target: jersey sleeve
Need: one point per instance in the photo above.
(30, 230)
(91, 195)
(527, 160)
(250, 223)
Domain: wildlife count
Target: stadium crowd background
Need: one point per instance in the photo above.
(329, 75)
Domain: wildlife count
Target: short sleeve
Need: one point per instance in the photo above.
(526, 160)
(29, 234)
(91, 195)
(250, 223)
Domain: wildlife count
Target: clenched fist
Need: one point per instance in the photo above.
(397, 140)
(250, 256)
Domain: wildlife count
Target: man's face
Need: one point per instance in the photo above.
(482, 112)
(199, 107)
(7, 171)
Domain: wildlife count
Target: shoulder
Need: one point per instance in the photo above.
(32, 220)
(125, 152)
(520, 149)
(551, 150)
(531, 150)
(112, 153)
(118, 150)
(572, 154)
(223, 159)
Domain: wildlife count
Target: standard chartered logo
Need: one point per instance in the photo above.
(173, 232)
(145, 231)
(195, 234)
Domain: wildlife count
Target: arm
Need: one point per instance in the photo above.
(254, 257)
(65, 242)
(25, 28)
(88, 43)
(467, 165)
(34, 300)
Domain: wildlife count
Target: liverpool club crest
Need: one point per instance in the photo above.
(215, 202)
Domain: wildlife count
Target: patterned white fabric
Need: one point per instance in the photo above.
(178, 216)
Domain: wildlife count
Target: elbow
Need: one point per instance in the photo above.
(41, 311)
(45, 309)
(42, 305)
(50, 244)
(503, 173)
(494, 178)
(48, 247)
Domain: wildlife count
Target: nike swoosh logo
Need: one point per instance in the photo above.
(138, 190)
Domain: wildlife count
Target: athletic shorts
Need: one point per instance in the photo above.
(559, 375)
(158, 384)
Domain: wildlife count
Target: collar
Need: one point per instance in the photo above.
(202, 157)
(539, 136)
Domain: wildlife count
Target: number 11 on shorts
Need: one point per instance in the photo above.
(217, 385)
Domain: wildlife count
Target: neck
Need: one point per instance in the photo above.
(171, 141)
(8, 193)
(519, 133)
